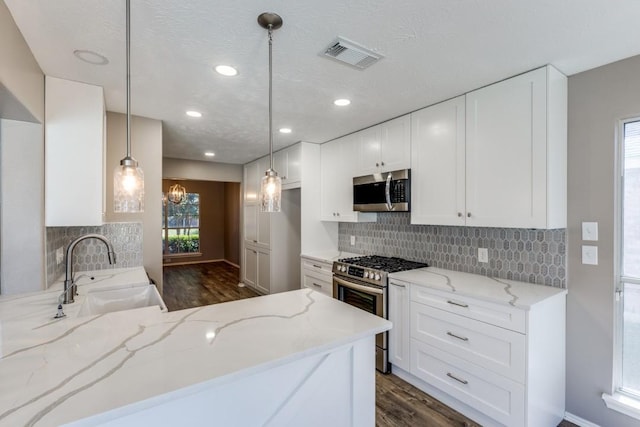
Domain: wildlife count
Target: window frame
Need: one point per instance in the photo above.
(166, 229)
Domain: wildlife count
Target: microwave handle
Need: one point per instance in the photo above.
(387, 192)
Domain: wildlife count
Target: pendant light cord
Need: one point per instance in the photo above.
(128, 31)
(270, 29)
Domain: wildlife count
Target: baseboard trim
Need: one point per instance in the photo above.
(199, 262)
(231, 263)
(578, 421)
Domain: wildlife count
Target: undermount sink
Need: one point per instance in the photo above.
(119, 299)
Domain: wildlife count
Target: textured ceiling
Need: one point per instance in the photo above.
(433, 50)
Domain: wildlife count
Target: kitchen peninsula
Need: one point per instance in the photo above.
(259, 361)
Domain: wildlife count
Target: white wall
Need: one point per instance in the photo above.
(146, 148)
(200, 170)
(22, 225)
(598, 98)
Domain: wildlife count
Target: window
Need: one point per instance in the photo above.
(626, 397)
(181, 225)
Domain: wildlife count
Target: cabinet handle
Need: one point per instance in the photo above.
(317, 266)
(315, 284)
(450, 375)
(459, 214)
(458, 304)
(469, 214)
(457, 336)
(337, 213)
(254, 241)
(381, 163)
(398, 285)
(377, 165)
(254, 252)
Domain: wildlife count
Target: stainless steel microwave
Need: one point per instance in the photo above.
(383, 192)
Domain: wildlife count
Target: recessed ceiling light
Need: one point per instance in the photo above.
(91, 57)
(285, 130)
(226, 70)
(209, 154)
(192, 113)
(342, 102)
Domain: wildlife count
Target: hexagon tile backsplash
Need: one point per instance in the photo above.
(534, 256)
(91, 254)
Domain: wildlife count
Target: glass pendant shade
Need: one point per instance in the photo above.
(128, 188)
(177, 193)
(270, 192)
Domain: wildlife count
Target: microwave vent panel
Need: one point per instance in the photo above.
(351, 53)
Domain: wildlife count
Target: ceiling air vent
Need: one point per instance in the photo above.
(351, 53)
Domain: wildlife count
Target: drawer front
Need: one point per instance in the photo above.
(317, 266)
(497, 397)
(317, 283)
(495, 314)
(499, 350)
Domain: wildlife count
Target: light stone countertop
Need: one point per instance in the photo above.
(496, 290)
(56, 371)
(329, 256)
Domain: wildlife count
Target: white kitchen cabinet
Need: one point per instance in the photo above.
(250, 266)
(438, 164)
(263, 283)
(287, 163)
(384, 147)
(399, 335)
(257, 268)
(497, 363)
(74, 153)
(317, 275)
(495, 157)
(516, 151)
(336, 187)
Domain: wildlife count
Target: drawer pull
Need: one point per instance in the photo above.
(315, 284)
(459, 304)
(398, 285)
(450, 375)
(317, 266)
(457, 336)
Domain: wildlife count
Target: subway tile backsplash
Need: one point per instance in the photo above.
(534, 256)
(91, 254)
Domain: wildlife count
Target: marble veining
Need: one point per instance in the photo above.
(507, 289)
(56, 372)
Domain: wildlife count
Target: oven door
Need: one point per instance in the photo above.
(372, 299)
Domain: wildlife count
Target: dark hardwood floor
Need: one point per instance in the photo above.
(398, 403)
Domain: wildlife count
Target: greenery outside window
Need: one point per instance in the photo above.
(181, 225)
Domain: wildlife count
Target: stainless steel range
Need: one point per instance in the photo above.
(362, 282)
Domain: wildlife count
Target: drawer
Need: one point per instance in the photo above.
(495, 314)
(493, 395)
(317, 266)
(500, 350)
(317, 283)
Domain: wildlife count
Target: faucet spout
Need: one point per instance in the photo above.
(69, 285)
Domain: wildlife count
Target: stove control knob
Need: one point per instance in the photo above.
(377, 276)
(366, 274)
(342, 268)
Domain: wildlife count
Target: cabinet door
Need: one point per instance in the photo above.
(329, 179)
(399, 315)
(250, 266)
(506, 153)
(395, 144)
(74, 134)
(294, 159)
(280, 165)
(438, 164)
(345, 174)
(251, 223)
(264, 228)
(264, 272)
(251, 182)
(368, 154)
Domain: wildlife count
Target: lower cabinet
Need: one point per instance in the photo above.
(317, 275)
(257, 269)
(496, 363)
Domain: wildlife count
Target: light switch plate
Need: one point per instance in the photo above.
(590, 231)
(483, 255)
(589, 255)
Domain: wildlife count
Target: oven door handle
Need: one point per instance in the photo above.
(387, 192)
(352, 285)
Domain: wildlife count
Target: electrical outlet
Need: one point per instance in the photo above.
(352, 240)
(59, 255)
(589, 255)
(483, 255)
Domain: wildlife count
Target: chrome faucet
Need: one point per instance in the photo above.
(69, 285)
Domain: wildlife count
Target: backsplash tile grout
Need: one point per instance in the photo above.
(91, 254)
(534, 256)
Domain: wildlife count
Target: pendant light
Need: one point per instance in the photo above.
(177, 193)
(271, 184)
(128, 178)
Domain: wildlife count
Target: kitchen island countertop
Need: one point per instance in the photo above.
(58, 371)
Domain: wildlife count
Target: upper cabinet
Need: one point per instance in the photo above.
(495, 157)
(336, 185)
(74, 153)
(287, 163)
(384, 147)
